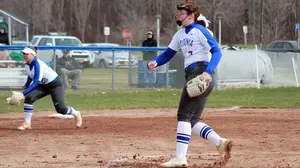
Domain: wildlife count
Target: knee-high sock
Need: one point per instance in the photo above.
(183, 138)
(28, 109)
(206, 132)
(72, 111)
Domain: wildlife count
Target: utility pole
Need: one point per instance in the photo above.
(261, 22)
(297, 19)
(297, 26)
(220, 29)
(98, 20)
(213, 14)
(158, 19)
(253, 8)
(297, 13)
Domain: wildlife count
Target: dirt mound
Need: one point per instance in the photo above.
(146, 138)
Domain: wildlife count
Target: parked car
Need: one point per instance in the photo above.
(103, 59)
(86, 58)
(281, 53)
(282, 46)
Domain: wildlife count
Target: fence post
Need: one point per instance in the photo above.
(113, 72)
(54, 60)
(295, 72)
(27, 34)
(257, 69)
(130, 67)
(9, 31)
(298, 38)
(167, 75)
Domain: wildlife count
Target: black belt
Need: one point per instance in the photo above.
(195, 64)
(53, 81)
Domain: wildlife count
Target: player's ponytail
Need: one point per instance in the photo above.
(196, 14)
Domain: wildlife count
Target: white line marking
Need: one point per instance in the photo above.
(132, 114)
(153, 113)
(228, 109)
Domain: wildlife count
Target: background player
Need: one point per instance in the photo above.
(42, 81)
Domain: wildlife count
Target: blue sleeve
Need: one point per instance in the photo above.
(215, 50)
(35, 79)
(216, 53)
(29, 80)
(215, 59)
(165, 57)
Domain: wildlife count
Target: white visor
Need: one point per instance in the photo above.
(28, 50)
(150, 32)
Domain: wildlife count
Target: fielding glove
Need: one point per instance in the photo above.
(198, 85)
(15, 98)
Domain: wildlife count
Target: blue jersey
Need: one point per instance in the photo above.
(38, 73)
(196, 43)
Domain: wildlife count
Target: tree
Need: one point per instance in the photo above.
(132, 17)
(57, 19)
(275, 20)
(75, 17)
(81, 12)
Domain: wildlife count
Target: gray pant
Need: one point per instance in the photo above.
(55, 89)
(190, 109)
(75, 75)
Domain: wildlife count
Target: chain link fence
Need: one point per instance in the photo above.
(17, 30)
(123, 70)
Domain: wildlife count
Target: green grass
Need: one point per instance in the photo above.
(101, 79)
(97, 79)
(255, 98)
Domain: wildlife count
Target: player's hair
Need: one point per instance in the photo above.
(197, 14)
(201, 22)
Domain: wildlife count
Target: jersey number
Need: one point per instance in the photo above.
(191, 52)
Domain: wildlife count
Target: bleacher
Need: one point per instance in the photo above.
(13, 76)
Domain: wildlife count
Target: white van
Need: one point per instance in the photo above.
(86, 58)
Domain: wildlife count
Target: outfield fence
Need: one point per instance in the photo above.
(110, 69)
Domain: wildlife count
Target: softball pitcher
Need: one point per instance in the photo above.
(196, 44)
(41, 81)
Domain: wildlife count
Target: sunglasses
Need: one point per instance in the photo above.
(25, 54)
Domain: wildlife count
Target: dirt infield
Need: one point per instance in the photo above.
(146, 137)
